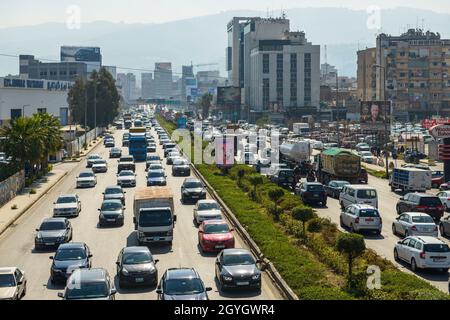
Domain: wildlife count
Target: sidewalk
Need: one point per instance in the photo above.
(25, 200)
(84, 153)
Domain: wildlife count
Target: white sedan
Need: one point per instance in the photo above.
(445, 199)
(13, 284)
(86, 179)
(67, 205)
(207, 210)
(414, 224)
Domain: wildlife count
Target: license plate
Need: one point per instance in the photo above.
(194, 197)
(439, 260)
(316, 196)
(369, 220)
(219, 247)
(139, 279)
(243, 283)
(49, 243)
(111, 220)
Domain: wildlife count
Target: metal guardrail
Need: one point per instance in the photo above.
(270, 268)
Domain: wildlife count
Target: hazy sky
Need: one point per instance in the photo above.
(29, 12)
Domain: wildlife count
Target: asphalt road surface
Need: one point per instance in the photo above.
(17, 244)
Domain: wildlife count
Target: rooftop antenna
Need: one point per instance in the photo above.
(423, 24)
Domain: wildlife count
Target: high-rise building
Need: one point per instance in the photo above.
(366, 77)
(147, 85)
(91, 56)
(417, 69)
(162, 82)
(31, 68)
(284, 74)
(112, 70)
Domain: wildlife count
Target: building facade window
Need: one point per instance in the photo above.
(293, 78)
(42, 110)
(280, 79)
(266, 91)
(16, 113)
(307, 79)
(266, 63)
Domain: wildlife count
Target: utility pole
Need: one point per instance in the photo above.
(85, 117)
(337, 109)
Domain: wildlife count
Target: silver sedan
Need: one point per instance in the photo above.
(414, 224)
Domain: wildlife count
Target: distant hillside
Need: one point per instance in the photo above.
(203, 39)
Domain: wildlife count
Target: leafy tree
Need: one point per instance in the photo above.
(353, 246)
(49, 131)
(205, 104)
(275, 194)
(255, 180)
(98, 93)
(303, 214)
(262, 121)
(240, 176)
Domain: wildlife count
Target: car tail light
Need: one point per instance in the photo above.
(357, 220)
(414, 228)
(440, 207)
(422, 255)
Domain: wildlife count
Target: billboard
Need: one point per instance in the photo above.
(375, 115)
(89, 55)
(163, 66)
(229, 96)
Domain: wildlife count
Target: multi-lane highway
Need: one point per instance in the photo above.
(17, 244)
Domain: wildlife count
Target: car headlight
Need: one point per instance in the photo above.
(141, 234)
(256, 276)
(227, 278)
(125, 272)
(152, 268)
(62, 238)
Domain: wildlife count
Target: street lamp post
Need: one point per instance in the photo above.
(385, 117)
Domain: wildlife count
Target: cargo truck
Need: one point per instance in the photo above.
(154, 215)
(410, 179)
(137, 144)
(340, 164)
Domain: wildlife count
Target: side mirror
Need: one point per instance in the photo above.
(158, 291)
(113, 291)
(118, 263)
(174, 218)
(60, 294)
(231, 230)
(208, 289)
(90, 256)
(37, 230)
(156, 261)
(399, 242)
(402, 198)
(51, 258)
(201, 231)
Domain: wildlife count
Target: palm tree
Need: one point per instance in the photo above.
(49, 132)
(22, 141)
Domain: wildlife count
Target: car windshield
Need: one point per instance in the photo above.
(155, 174)
(7, 281)
(113, 191)
(66, 200)
(216, 228)
(430, 201)
(368, 213)
(341, 184)
(183, 286)
(52, 225)
(367, 194)
(137, 258)
(436, 247)
(422, 219)
(314, 187)
(153, 158)
(180, 162)
(87, 290)
(111, 206)
(193, 184)
(115, 150)
(158, 218)
(126, 173)
(86, 175)
(208, 206)
(238, 259)
(94, 157)
(70, 254)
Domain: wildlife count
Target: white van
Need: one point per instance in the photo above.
(358, 194)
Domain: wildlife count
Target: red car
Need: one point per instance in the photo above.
(437, 178)
(215, 235)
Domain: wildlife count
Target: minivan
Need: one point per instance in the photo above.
(358, 194)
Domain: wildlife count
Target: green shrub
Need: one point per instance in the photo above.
(14, 207)
(315, 225)
(33, 191)
(353, 246)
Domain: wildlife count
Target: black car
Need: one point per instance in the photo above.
(151, 148)
(421, 202)
(334, 188)
(68, 257)
(236, 268)
(115, 153)
(136, 267)
(284, 178)
(111, 212)
(192, 189)
(53, 232)
(181, 167)
(182, 284)
(151, 159)
(109, 143)
(312, 193)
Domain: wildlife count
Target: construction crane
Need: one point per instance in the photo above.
(205, 64)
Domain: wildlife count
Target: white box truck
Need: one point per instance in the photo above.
(154, 215)
(410, 179)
